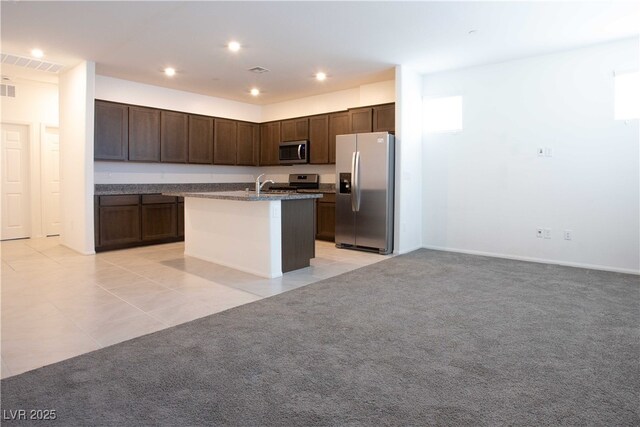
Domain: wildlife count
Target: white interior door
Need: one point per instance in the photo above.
(51, 182)
(15, 182)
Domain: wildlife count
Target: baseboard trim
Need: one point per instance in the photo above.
(538, 260)
(407, 250)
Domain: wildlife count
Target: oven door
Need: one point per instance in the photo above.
(293, 152)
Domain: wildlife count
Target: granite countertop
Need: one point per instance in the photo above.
(121, 189)
(118, 189)
(318, 190)
(247, 196)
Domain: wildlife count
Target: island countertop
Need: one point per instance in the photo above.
(247, 196)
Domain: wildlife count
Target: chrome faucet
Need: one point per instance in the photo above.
(259, 185)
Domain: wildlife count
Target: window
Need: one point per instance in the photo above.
(443, 114)
(627, 96)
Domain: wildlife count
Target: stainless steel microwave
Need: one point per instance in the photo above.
(293, 152)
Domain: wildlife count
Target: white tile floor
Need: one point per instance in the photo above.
(57, 304)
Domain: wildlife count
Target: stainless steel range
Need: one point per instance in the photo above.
(297, 181)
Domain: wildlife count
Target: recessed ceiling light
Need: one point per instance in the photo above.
(37, 53)
(321, 76)
(170, 71)
(255, 91)
(234, 46)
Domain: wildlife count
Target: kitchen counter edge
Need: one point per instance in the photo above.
(246, 196)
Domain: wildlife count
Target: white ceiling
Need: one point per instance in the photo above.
(353, 42)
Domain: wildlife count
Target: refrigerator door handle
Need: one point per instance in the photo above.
(353, 182)
(356, 188)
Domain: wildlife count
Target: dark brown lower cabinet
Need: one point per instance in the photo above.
(181, 217)
(159, 217)
(119, 225)
(326, 217)
(135, 220)
(298, 245)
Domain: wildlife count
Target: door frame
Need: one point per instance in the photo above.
(42, 189)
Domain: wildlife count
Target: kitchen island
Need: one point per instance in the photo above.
(266, 235)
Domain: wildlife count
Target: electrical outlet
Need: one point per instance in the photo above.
(568, 234)
(547, 233)
(539, 232)
(540, 151)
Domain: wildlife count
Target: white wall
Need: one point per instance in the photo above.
(77, 93)
(369, 94)
(408, 190)
(486, 190)
(149, 173)
(35, 105)
(111, 89)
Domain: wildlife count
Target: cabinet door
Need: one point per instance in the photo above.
(119, 225)
(384, 118)
(144, 134)
(224, 142)
(265, 144)
(247, 144)
(269, 143)
(276, 139)
(181, 219)
(360, 120)
(111, 137)
(338, 125)
(326, 221)
(173, 137)
(326, 217)
(159, 221)
(319, 139)
(295, 130)
(297, 234)
(200, 139)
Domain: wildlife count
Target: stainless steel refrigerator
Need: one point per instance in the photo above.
(364, 191)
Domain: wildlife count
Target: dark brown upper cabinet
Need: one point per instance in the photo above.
(295, 129)
(248, 144)
(111, 137)
(319, 139)
(224, 142)
(174, 132)
(269, 143)
(144, 134)
(338, 125)
(384, 118)
(360, 120)
(200, 139)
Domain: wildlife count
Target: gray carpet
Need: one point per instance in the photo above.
(428, 338)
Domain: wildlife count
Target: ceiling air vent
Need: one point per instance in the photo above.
(33, 64)
(258, 70)
(8, 90)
